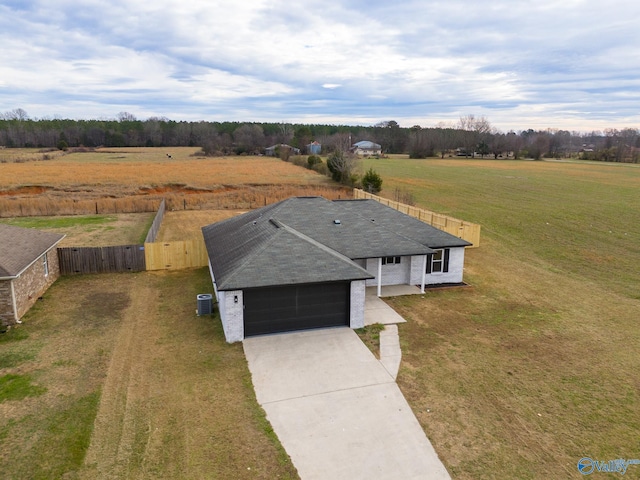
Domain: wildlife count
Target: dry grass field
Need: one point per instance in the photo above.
(126, 180)
(130, 170)
(187, 224)
(115, 376)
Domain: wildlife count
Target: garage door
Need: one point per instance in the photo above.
(296, 307)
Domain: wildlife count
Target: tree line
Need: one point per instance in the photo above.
(469, 136)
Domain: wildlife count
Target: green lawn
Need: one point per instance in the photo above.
(536, 365)
(91, 230)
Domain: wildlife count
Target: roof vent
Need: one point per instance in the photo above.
(337, 222)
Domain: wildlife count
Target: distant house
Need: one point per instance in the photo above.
(305, 262)
(366, 147)
(28, 267)
(314, 148)
(274, 150)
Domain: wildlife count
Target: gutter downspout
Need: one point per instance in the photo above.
(424, 273)
(13, 303)
(380, 277)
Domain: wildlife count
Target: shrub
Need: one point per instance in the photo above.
(371, 181)
(313, 160)
(298, 161)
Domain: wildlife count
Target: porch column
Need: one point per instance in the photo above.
(424, 273)
(380, 277)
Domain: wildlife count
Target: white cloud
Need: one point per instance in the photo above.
(417, 61)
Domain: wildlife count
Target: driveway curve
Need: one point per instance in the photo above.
(335, 408)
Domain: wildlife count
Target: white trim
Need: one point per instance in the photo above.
(424, 273)
(45, 264)
(380, 276)
(13, 302)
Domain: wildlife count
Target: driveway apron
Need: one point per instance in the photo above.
(335, 408)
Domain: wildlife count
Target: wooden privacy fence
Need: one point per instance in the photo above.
(465, 230)
(176, 255)
(122, 258)
(135, 258)
(157, 221)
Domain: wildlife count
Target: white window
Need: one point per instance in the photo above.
(391, 260)
(45, 264)
(439, 261)
(436, 262)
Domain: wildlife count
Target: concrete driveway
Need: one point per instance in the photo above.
(337, 411)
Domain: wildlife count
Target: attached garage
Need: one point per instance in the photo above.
(296, 307)
(301, 263)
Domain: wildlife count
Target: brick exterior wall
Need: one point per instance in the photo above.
(456, 267)
(417, 268)
(232, 315)
(28, 287)
(392, 274)
(358, 292)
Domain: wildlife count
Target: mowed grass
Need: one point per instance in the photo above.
(150, 167)
(536, 365)
(91, 230)
(121, 379)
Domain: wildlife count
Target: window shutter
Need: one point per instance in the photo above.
(445, 267)
(429, 257)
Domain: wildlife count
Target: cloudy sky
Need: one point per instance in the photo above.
(571, 64)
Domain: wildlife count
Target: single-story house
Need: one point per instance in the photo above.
(314, 148)
(366, 148)
(305, 262)
(28, 267)
(274, 150)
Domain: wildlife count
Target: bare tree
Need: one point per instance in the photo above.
(342, 166)
(126, 117)
(338, 142)
(421, 143)
(249, 138)
(16, 114)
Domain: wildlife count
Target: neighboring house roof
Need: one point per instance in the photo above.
(298, 240)
(20, 247)
(367, 145)
(281, 145)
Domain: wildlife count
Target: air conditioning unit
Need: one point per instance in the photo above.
(205, 304)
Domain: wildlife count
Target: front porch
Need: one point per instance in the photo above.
(377, 311)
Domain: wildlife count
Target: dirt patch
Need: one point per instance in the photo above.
(26, 190)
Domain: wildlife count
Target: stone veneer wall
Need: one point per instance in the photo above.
(7, 315)
(28, 287)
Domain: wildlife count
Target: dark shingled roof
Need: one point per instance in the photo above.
(20, 247)
(311, 239)
(406, 225)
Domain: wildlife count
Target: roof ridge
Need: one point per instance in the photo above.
(319, 245)
(248, 258)
(382, 227)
